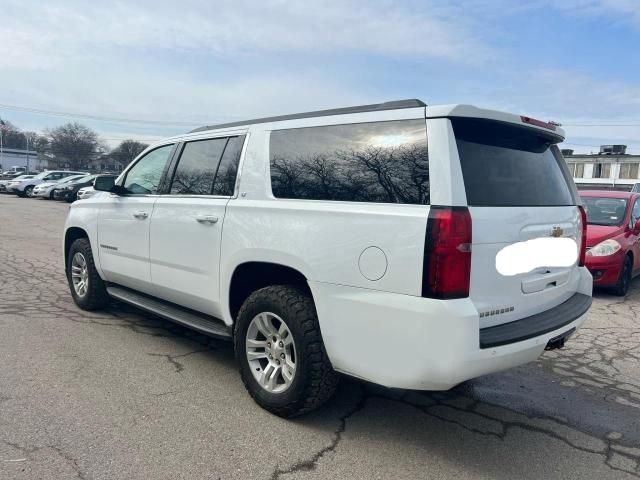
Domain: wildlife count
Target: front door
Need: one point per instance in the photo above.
(186, 226)
(123, 222)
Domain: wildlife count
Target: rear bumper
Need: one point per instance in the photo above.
(410, 342)
(539, 324)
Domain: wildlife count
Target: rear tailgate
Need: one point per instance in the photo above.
(517, 189)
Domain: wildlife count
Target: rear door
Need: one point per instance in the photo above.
(186, 227)
(517, 189)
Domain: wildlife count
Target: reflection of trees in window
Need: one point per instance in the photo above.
(197, 167)
(398, 174)
(225, 180)
(193, 182)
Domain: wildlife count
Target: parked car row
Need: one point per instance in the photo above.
(53, 185)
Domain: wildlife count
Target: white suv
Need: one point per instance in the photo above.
(358, 240)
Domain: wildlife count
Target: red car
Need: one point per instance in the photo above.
(613, 238)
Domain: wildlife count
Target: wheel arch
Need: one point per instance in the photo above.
(71, 235)
(249, 276)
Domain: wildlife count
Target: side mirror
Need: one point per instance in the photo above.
(636, 228)
(104, 184)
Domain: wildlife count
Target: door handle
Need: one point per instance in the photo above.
(209, 219)
(141, 215)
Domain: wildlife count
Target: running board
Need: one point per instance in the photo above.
(189, 318)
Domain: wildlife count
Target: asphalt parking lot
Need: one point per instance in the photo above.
(122, 395)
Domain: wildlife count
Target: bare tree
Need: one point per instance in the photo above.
(124, 153)
(74, 145)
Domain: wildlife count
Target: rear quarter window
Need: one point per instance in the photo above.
(508, 165)
(380, 162)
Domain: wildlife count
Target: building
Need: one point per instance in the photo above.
(611, 168)
(13, 157)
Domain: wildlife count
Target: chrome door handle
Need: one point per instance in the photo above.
(210, 219)
(141, 215)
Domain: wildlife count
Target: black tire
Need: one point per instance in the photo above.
(51, 194)
(314, 381)
(622, 287)
(96, 296)
(28, 191)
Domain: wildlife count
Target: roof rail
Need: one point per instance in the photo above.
(374, 107)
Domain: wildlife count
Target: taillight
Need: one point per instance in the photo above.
(583, 238)
(447, 253)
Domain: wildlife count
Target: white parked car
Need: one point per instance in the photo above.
(4, 184)
(25, 188)
(85, 192)
(46, 189)
(360, 240)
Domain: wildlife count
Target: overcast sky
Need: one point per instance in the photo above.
(209, 61)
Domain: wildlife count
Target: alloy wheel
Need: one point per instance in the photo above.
(79, 274)
(271, 352)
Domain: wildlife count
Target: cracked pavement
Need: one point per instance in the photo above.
(120, 394)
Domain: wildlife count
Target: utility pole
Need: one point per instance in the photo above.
(1, 137)
(26, 135)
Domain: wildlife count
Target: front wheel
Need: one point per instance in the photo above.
(279, 348)
(87, 288)
(622, 287)
(28, 192)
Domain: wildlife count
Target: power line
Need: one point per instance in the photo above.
(601, 124)
(39, 111)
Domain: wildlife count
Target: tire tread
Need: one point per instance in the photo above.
(320, 380)
(97, 296)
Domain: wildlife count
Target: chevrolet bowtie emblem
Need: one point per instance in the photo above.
(556, 232)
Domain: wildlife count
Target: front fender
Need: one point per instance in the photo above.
(84, 216)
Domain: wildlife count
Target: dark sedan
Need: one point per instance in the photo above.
(69, 191)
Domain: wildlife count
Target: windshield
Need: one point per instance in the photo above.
(42, 174)
(605, 211)
(506, 165)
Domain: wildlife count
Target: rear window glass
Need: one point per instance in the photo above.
(505, 165)
(604, 211)
(381, 162)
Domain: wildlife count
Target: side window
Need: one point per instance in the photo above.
(382, 162)
(197, 167)
(635, 213)
(144, 177)
(225, 181)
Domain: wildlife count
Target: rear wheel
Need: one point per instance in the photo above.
(278, 345)
(622, 287)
